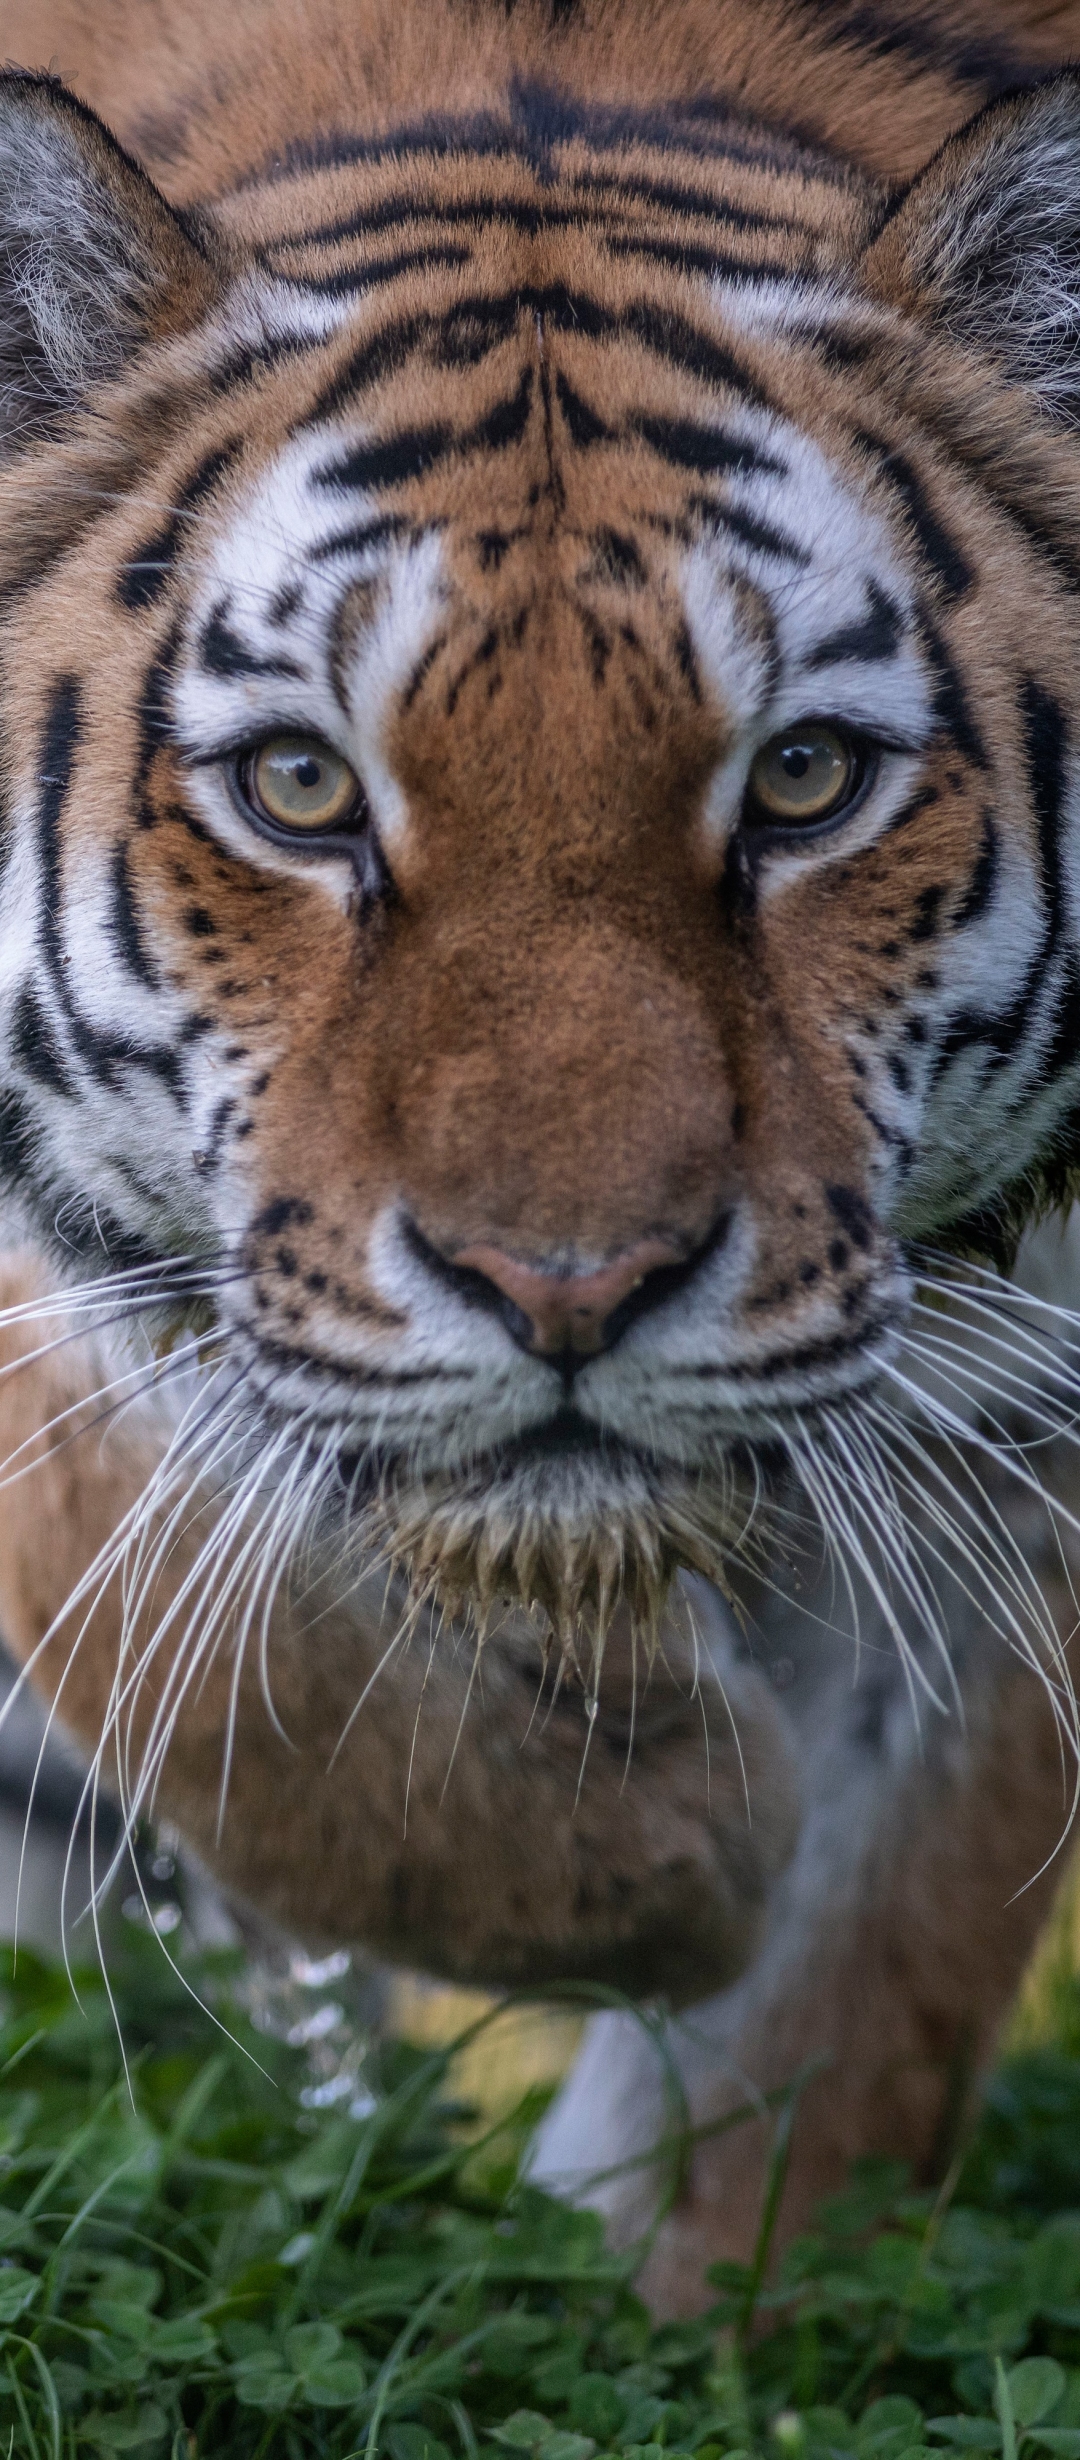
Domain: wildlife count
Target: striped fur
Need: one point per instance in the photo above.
(546, 460)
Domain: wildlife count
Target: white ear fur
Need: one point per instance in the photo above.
(92, 259)
(986, 241)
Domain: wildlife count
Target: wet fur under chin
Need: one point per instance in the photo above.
(571, 1540)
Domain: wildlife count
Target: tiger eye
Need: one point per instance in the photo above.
(300, 783)
(803, 776)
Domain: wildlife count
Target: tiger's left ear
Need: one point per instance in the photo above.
(986, 241)
(93, 260)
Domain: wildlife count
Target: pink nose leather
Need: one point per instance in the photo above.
(569, 1311)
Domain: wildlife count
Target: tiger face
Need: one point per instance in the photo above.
(541, 805)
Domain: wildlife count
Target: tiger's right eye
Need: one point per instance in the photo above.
(301, 787)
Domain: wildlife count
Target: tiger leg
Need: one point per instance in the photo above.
(895, 1944)
(448, 1823)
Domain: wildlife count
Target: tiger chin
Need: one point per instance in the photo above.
(539, 1001)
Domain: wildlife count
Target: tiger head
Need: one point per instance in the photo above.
(540, 718)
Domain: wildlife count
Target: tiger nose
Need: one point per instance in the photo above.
(551, 1313)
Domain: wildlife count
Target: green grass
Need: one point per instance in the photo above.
(206, 2266)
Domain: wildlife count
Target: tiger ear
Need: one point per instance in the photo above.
(93, 261)
(986, 241)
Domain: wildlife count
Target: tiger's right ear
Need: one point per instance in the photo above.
(985, 243)
(93, 260)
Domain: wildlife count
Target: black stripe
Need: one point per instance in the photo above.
(983, 878)
(922, 800)
(781, 1362)
(1045, 524)
(261, 358)
(890, 1136)
(616, 560)
(224, 1110)
(613, 189)
(678, 197)
(35, 1047)
(836, 347)
(705, 449)
(680, 256)
(141, 581)
(125, 927)
(60, 743)
(153, 716)
(346, 280)
(464, 335)
(875, 636)
(389, 463)
(659, 330)
(950, 699)
(584, 424)
(1045, 738)
(480, 323)
(928, 905)
(18, 1143)
(950, 568)
(1063, 1050)
(365, 534)
(706, 127)
(757, 534)
(926, 39)
(507, 422)
(223, 652)
(107, 1056)
(411, 453)
(737, 887)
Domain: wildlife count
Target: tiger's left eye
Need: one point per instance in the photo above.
(805, 776)
(300, 785)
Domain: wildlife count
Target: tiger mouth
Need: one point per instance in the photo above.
(564, 1519)
(567, 1438)
(567, 1442)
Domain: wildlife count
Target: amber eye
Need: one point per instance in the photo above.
(300, 785)
(805, 776)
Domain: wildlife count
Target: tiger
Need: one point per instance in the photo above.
(540, 1016)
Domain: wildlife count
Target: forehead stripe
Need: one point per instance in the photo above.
(875, 636)
(142, 579)
(385, 464)
(365, 534)
(370, 274)
(760, 535)
(542, 120)
(705, 449)
(948, 564)
(700, 262)
(481, 323)
(484, 212)
(680, 256)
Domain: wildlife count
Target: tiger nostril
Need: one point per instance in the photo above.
(564, 1316)
(566, 1312)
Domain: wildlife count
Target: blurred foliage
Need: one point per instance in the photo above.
(194, 2260)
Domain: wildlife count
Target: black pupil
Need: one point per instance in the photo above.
(308, 771)
(795, 760)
